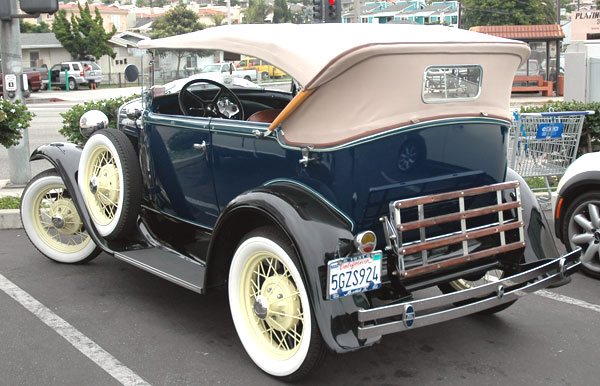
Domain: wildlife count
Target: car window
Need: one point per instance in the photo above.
(93, 65)
(451, 83)
(76, 67)
(64, 67)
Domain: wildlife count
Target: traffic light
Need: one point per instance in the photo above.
(318, 11)
(333, 11)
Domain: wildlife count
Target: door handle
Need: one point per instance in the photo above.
(200, 146)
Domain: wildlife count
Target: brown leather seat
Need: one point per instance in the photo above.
(266, 116)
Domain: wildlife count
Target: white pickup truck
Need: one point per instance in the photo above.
(230, 68)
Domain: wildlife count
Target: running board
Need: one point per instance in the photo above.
(169, 265)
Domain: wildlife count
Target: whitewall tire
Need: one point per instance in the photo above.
(270, 306)
(52, 223)
(110, 181)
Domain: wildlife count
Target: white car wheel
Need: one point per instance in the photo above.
(52, 223)
(110, 180)
(270, 307)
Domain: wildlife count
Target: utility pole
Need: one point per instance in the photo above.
(10, 50)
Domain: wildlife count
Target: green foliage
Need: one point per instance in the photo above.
(257, 12)
(14, 118)
(179, 20)
(218, 17)
(83, 37)
(10, 202)
(110, 107)
(281, 12)
(26, 27)
(590, 134)
(508, 12)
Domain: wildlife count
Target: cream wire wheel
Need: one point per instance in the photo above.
(110, 181)
(52, 223)
(270, 307)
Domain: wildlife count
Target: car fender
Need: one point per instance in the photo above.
(538, 236)
(64, 156)
(319, 232)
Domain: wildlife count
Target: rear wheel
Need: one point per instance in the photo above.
(110, 180)
(270, 306)
(72, 84)
(581, 228)
(52, 223)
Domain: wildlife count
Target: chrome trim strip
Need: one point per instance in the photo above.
(159, 273)
(500, 288)
(327, 202)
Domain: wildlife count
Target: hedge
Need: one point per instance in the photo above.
(110, 107)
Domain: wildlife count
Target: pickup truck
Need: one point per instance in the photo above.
(34, 80)
(228, 67)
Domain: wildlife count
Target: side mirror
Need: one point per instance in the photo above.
(131, 73)
(92, 121)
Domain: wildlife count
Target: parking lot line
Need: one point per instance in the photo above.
(568, 300)
(85, 345)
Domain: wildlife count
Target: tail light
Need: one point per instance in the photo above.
(81, 73)
(365, 242)
(39, 76)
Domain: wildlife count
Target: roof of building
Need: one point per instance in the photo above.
(102, 8)
(523, 32)
(39, 40)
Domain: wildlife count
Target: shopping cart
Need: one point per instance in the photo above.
(544, 144)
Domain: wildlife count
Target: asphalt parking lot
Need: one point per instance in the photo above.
(108, 323)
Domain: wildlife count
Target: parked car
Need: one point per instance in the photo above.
(266, 69)
(577, 211)
(529, 68)
(34, 81)
(75, 75)
(305, 204)
(229, 68)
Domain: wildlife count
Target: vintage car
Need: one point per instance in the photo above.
(334, 211)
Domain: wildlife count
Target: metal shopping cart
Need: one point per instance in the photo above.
(544, 144)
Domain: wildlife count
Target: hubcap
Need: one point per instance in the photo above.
(584, 231)
(103, 195)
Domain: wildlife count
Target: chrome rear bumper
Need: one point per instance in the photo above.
(424, 312)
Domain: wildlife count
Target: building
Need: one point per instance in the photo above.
(585, 25)
(120, 18)
(418, 12)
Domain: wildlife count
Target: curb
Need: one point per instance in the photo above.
(10, 219)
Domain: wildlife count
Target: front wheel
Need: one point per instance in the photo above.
(270, 306)
(581, 228)
(52, 223)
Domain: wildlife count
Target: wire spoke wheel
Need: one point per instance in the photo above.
(52, 222)
(111, 183)
(270, 306)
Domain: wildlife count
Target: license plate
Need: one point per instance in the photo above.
(349, 275)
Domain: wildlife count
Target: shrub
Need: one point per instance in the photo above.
(590, 134)
(110, 107)
(10, 202)
(14, 118)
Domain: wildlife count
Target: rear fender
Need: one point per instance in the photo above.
(319, 232)
(64, 156)
(538, 235)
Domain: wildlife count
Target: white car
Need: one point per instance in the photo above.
(577, 211)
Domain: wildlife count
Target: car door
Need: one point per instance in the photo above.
(180, 154)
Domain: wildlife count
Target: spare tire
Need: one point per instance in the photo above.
(111, 183)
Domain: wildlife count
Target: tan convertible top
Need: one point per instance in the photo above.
(313, 54)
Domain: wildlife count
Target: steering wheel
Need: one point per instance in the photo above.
(225, 104)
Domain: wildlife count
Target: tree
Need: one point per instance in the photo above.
(508, 12)
(218, 18)
(257, 12)
(281, 12)
(179, 20)
(35, 28)
(83, 37)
